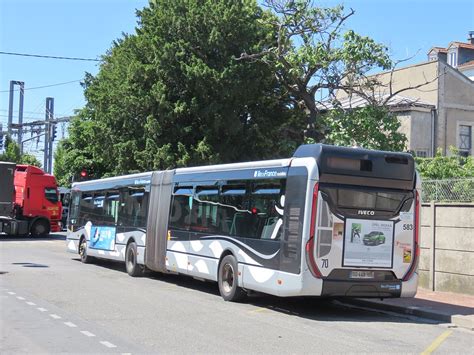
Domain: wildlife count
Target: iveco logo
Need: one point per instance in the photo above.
(366, 212)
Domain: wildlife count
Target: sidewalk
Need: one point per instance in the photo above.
(440, 306)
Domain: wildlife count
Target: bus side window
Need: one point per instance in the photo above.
(266, 205)
(86, 209)
(204, 211)
(98, 208)
(181, 206)
(111, 207)
(133, 207)
(232, 209)
(75, 206)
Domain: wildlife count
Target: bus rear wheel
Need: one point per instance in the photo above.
(133, 268)
(228, 280)
(40, 228)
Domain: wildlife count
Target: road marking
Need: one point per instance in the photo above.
(11, 293)
(87, 334)
(437, 342)
(259, 309)
(20, 298)
(31, 303)
(70, 324)
(42, 309)
(55, 316)
(107, 344)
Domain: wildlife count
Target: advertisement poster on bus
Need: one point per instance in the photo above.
(102, 238)
(368, 243)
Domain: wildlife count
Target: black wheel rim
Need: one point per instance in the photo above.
(82, 249)
(227, 278)
(130, 259)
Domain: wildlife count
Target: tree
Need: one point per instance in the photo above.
(12, 154)
(371, 127)
(172, 94)
(446, 167)
(312, 55)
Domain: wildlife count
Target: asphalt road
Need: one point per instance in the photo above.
(51, 303)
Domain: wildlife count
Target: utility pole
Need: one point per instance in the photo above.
(48, 146)
(21, 84)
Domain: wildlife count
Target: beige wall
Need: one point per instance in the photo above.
(453, 240)
(455, 118)
(413, 76)
(416, 125)
(456, 107)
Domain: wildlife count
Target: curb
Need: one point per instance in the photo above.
(458, 320)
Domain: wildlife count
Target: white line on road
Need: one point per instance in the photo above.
(20, 298)
(70, 324)
(42, 309)
(107, 344)
(87, 334)
(11, 293)
(55, 316)
(31, 303)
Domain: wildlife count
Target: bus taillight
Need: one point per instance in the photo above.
(313, 266)
(416, 247)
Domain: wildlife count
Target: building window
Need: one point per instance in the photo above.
(453, 59)
(433, 57)
(421, 153)
(465, 139)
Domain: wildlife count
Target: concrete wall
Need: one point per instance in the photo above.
(449, 266)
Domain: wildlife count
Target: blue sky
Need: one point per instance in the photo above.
(87, 28)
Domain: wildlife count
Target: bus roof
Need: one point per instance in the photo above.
(113, 182)
(276, 163)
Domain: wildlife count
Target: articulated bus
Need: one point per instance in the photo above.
(330, 221)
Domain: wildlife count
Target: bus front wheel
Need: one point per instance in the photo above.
(228, 280)
(83, 251)
(133, 268)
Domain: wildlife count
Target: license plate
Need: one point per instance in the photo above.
(362, 275)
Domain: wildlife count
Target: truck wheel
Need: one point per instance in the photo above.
(83, 251)
(133, 269)
(40, 228)
(227, 280)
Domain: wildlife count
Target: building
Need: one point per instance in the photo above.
(434, 100)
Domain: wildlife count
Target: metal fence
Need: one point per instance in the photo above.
(451, 190)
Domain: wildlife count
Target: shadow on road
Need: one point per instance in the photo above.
(312, 308)
(11, 238)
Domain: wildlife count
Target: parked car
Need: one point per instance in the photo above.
(374, 238)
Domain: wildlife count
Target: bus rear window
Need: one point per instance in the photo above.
(367, 198)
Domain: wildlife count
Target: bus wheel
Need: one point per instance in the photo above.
(83, 251)
(227, 280)
(40, 228)
(133, 269)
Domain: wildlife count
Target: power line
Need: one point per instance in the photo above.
(51, 57)
(45, 86)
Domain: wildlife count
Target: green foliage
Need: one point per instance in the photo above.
(12, 154)
(173, 95)
(453, 177)
(371, 127)
(446, 167)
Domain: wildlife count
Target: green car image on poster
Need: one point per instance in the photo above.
(374, 238)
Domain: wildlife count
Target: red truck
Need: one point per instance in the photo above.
(29, 201)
